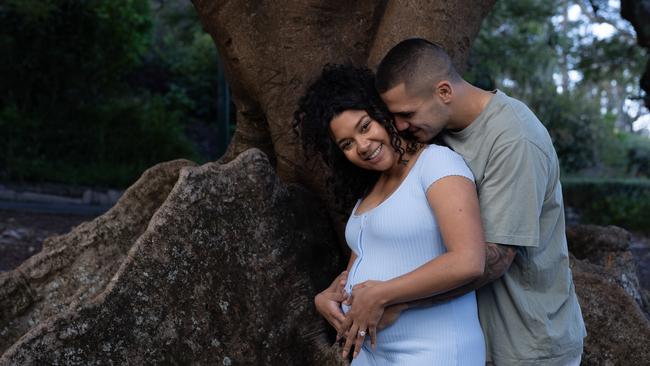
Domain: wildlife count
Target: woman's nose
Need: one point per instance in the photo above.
(363, 145)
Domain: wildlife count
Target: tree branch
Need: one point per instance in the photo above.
(592, 14)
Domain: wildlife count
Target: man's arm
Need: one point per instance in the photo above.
(498, 259)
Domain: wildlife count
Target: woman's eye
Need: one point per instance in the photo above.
(344, 146)
(365, 126)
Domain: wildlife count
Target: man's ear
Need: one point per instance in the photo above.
(444, 91)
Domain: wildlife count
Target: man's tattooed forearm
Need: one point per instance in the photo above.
(497, 261)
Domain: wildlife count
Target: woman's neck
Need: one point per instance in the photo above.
(402, 166)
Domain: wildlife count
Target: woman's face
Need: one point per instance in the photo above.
(364, 141)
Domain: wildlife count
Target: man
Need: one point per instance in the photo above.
(526, 299)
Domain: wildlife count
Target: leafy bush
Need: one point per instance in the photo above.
(60, 54)
(69, 112)
(575, 126)
(108, 145)
(621, 202)
(637, 149)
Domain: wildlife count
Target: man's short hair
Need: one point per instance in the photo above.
(417, 63)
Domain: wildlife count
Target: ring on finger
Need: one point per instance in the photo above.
(362, 333)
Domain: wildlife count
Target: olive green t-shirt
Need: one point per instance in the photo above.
(531, 315)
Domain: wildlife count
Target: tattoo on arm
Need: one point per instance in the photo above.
(497, 261)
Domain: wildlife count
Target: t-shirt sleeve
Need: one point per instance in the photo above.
(440, 162)
(512, 193)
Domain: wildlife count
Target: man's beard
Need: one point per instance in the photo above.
(408, 136)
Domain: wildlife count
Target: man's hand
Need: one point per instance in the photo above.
(391, 313)
(363, 317)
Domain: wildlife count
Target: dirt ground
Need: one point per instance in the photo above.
(22, 233)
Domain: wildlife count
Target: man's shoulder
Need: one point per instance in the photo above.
(514, 122)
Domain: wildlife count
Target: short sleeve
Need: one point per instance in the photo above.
(512, 193)
(439, 162)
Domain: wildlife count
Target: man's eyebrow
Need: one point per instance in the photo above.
(355, 127)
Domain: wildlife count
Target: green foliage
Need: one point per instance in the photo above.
(573, 122)
(637, 153)
(69, 111)
(602, 60)
(182, 67)
(70, 51)
(128, 136)
(191, 58)
(622, 202)
(515, 47)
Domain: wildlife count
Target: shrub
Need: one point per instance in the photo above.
(621, 202)
(637, 150)
(68, 113)
(109, 145)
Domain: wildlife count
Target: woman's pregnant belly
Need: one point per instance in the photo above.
(383, 264)
(446, 332)
(443, 328)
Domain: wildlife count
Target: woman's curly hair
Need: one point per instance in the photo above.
(340, 88)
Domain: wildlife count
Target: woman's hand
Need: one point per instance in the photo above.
(364, 315)
(328, 302)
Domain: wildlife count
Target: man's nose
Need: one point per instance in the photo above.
(401, 124)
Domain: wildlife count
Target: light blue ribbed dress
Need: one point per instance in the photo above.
(396, 237)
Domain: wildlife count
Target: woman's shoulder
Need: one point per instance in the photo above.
(440, 152)
(439, 161)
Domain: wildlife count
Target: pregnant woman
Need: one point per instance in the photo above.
(415, 230)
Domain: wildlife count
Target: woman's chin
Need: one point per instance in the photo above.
(380, 166)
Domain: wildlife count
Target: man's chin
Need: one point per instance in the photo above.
(408, 136)
(422, 136)
(417, 136)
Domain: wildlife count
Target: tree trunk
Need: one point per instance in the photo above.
(272, 49)
(637, 13)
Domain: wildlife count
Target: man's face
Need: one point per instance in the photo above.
(420, 117)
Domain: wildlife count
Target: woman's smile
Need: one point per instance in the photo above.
(375, 154)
